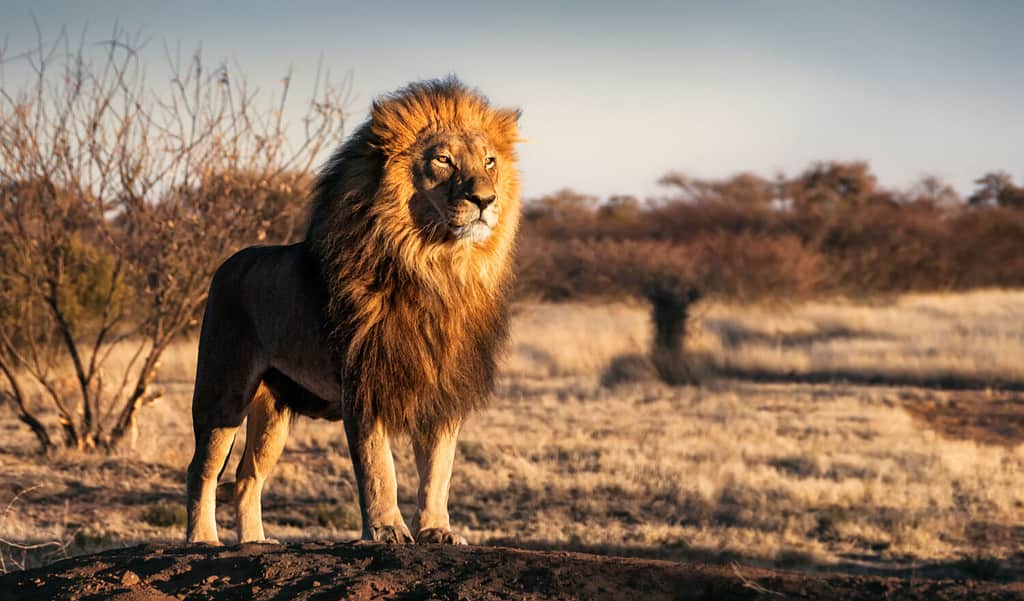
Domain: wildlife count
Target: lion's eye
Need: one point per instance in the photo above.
(443, 159)
(489, 163)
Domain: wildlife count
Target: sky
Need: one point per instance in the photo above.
(616, 94)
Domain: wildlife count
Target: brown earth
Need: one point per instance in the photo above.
(367, 571)
(986, 416)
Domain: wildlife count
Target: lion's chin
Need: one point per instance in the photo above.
(477, 231)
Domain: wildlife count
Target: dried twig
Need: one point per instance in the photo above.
(23, 547)
(750, 584)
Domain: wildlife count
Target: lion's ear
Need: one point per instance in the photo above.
(512, 115)
(506, 126)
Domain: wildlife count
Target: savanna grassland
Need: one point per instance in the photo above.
(885, 437)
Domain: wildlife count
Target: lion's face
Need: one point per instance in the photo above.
(456, 180)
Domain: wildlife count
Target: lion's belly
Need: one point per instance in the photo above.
(323, 383)
(301, 355)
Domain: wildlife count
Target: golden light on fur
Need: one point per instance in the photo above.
(389, 315)
(420, 313)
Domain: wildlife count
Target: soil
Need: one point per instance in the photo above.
(986, 416)
(359, 571)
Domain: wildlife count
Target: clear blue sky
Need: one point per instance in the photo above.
(615, 94)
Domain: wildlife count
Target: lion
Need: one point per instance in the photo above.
(388, 316)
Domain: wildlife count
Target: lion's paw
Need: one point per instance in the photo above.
(205, 543)
(442, 536)
(392, 535)
(262, 541)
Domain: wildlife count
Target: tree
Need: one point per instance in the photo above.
(933, 191)
(997, 188)
(691, 190)
(833, 185)
(116, 205)
(619, 207)
(745, 189)
(565, 205)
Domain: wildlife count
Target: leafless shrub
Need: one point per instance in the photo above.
(671, 298)
(116, 203)
(629, 368)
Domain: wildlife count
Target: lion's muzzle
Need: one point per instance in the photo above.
(476, 212)
(480, 200)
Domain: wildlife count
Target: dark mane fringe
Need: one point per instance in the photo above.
(415, 323)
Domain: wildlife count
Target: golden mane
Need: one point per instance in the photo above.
(415, 318)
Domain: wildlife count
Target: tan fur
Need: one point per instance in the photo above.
(266, 433)
(419, 311)
(389, 315)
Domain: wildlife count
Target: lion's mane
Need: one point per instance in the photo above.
(415, 320)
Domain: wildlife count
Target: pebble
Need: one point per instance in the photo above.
(129, 578)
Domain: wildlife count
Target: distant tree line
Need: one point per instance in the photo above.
(831, 230)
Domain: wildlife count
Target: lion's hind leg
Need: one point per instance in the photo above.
(213, 445)
(221, 400)
(266, 433)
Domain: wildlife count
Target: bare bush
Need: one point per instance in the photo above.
(671, 299)
(117, 201)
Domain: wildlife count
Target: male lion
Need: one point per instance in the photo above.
(387, 316)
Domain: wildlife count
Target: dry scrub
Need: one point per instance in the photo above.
(793, 474)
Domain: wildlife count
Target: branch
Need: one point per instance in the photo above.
(24, 413)
(140, 396)
(71, 346)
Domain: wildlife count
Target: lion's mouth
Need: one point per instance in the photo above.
(477, 230)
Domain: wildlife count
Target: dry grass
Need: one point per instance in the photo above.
(787, 474)
(977, 336)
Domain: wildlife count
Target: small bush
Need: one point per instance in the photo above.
(629, 368)
(476, 452)
(793, 558)
(88, 539)
(828, 522)
(670, 299)
(337, 516)
(980, 566)
(164, 515)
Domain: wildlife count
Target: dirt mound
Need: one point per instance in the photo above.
(369, 571)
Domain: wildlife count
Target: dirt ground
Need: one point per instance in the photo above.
(360, 571)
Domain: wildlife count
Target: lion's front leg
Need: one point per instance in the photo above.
(370, 448)
(435, 456)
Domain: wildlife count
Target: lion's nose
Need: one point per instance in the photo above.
(481, 200)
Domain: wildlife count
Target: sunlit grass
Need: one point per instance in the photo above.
(777, 474)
